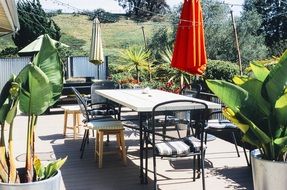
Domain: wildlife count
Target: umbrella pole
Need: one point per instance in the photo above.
(98, 70)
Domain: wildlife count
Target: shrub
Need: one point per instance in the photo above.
(221, 70)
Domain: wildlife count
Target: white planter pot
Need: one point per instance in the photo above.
(52, 183)
(268, 175)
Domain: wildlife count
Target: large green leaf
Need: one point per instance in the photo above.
(12, 112)
(253, 87)
(52, 168)
(281, 110)
(231, 95)
(35, 100)
(275, 83)
(49, 62)
(5, 91)
(259, 71)
(3, 112)
(237, 98)
(251, 132)
(243, 104)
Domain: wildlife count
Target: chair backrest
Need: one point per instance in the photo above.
(192, 90)
(186, 107)
(104, 84)
(216, 113)
(82, 103)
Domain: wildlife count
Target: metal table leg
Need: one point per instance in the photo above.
(142, 180)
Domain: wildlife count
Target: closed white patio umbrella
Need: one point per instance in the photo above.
(96, 50)
(8, 17)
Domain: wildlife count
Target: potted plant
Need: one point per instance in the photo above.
(257, 104)
(34, 89)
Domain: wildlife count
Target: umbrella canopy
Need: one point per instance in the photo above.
(96, 50)
(8, 17)
(189, 51)
(35, 46)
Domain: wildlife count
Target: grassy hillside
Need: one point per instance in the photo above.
(76, 32)
(115, 36)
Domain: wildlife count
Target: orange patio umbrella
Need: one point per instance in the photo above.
(189, 53)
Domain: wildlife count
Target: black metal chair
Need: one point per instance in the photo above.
(90, 115)
(171, 146)
(104, 106)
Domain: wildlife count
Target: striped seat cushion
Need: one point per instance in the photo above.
(103, 112)
(107, 124)
(220, 124)
(170, 148)
(194, 143)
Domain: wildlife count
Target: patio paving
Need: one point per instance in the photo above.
(224, 170)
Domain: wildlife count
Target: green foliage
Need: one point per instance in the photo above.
(221, 70)
(252, 44)
(143, 9)
(273, 27)
(9, 52)
(257, 105)
(45, 172)
(36, 87)
(158, 41)
(75, 44)
(103, 16)
(219, 34)
(164, 72)
(136, 59)
(33, 23)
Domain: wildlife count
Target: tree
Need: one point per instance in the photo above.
(144, 9)
(252, 44)
(33, 23)
(219, 34)
(218, 31)
(273, 27)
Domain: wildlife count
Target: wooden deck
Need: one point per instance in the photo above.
(224, 170)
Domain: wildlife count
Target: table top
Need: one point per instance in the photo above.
(141, 100)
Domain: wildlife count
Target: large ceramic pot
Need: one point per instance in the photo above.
(268, 175)
(52, 183)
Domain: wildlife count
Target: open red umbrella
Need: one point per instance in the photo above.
(189, 53)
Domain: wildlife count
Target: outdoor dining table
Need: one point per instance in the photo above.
(143, 101)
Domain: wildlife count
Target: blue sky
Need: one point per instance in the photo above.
(110, 5)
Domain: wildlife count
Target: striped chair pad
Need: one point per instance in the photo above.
(107, 124)
(220, 124)
(103, 112)
(170, 148)
(194, 143)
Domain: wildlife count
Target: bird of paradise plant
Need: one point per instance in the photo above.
(257, 104)
(34, 89)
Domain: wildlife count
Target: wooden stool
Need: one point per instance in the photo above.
(100, 144)
(75, 112)
(108, 126)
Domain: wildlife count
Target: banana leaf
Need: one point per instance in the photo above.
(35, 100)
(237, 98)
(49, 62)
(281, 110)
(259, 71)
(274, 84)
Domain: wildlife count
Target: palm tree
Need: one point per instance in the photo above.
(137, 58)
